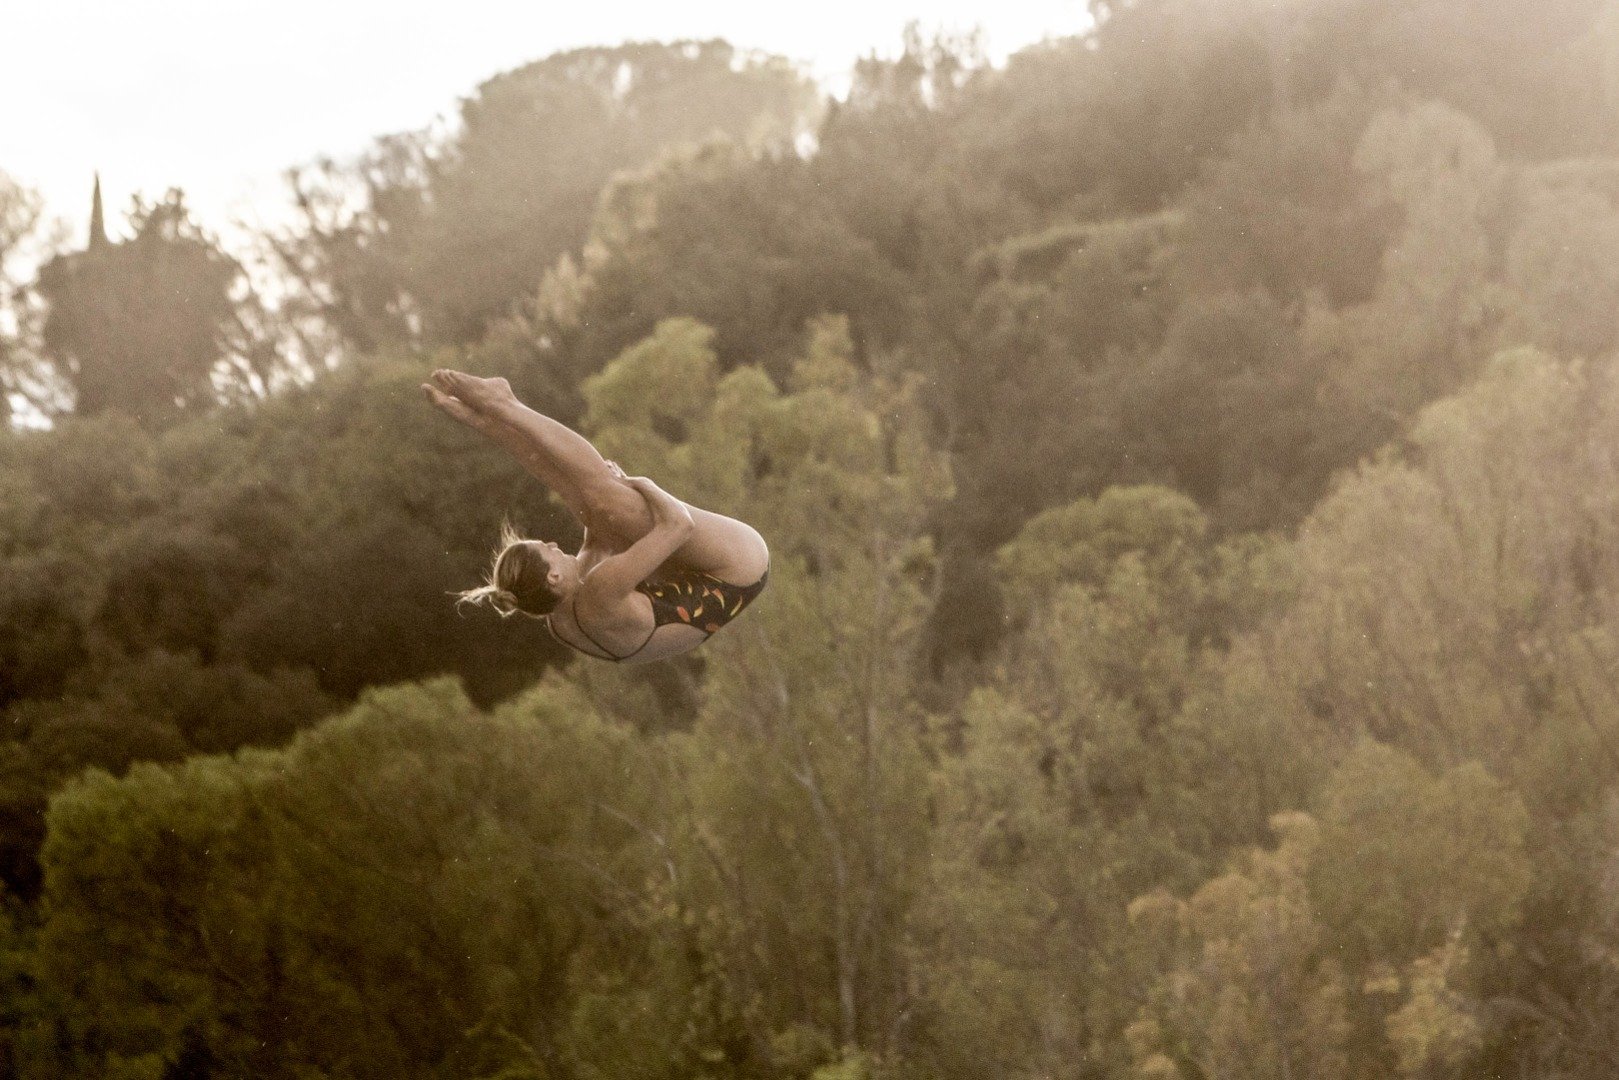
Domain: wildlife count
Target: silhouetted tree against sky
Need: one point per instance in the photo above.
(140, 325)
(19, 215)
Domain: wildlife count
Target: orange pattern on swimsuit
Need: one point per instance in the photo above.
(689, 597)
(698, 599)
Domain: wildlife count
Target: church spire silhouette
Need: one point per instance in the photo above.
(98, 227)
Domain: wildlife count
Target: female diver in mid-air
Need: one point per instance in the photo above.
(653, 576)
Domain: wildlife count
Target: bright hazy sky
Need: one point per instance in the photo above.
(219, 96)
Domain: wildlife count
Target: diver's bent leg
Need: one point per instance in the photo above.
(558, 456)
(567, 462)
(729, 549)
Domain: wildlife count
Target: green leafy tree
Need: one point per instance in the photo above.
(223, 583)
(1449, 620)
(354, 516)
(1052, 312)
(797, 824)
(1228, 410)
(1569, 998)
(1255, 991)
(1433, 617)
(1273, 966)
(1092, 770)
(429, 240)
(398, 893)
(1114, 122)
(66, 493)
(1285, 210)
(1408, 859)
(750, 247)
(1437, 1029)
(1561, 292)
(1425, 331)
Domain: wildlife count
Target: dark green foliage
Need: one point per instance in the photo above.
(222, 585)
(380, 513)
(42, 642)
(666, 244)
(1285, 210)
(339, 905)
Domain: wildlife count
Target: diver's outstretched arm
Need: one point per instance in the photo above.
(555, 454)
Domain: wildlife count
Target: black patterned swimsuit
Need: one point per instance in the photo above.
(689, 597)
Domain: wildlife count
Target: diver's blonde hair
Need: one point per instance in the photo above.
(506, 589)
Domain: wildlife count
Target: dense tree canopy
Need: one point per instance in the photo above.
(430, 239)
(1188, 458)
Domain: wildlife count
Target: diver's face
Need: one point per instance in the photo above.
(550, 554)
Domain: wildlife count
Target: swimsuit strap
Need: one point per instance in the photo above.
(680, 599)
(573, 609)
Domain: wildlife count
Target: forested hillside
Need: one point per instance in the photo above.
(1190, 458)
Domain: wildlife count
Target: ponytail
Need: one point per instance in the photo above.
(516, 580)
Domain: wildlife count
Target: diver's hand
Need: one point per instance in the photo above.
(665, 508)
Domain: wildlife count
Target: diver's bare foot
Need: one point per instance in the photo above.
(482, 395)
(455, 407)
